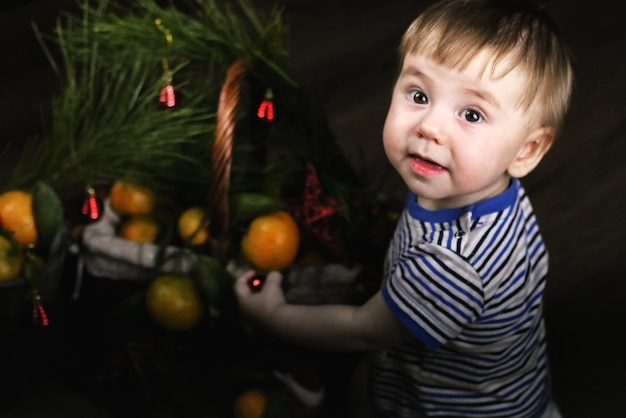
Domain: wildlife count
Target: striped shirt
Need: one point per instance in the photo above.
(468, 283)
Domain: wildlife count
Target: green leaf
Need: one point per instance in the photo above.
(47, 211)
(247, 206)
(31, 271)
(213, 279)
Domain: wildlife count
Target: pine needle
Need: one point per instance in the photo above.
(107, 123)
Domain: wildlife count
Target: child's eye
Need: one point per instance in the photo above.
(419, 97)
(473, 116)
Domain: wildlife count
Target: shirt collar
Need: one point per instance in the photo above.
(493, 204)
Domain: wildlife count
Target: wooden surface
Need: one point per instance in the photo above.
(346, 50)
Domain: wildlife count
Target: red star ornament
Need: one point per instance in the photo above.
(319, 214)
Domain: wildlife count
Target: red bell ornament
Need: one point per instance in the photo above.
(92, 206)
(266, 108)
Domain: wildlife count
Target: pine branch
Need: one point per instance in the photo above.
(210, 36)
(104, 125)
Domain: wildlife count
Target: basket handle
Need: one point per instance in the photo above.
(221, 159)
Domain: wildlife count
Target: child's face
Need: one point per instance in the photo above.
(453, 135)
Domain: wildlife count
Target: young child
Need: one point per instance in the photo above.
(457, 328)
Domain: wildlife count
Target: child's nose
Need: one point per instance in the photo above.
(431, 126)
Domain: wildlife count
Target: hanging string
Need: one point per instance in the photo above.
(167, 95)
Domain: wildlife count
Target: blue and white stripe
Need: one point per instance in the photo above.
(468, 283)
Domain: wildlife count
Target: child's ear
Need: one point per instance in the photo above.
(532, 151)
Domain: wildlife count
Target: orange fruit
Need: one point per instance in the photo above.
(140, 228)
(11, 260)
(193, 225)
(271, 242)
(16, 216)
(174, 302)
(129, 198)
(250, 404)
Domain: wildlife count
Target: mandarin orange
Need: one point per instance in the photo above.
(271, 242)
(193, 225)
(250, 404)
(140, 228)
(11, 260)
(130, 198)
(174, 302)
(16, 216)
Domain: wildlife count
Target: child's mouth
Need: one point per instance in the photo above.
(424, 167)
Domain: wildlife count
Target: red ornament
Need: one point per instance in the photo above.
(266, 108)
(167, 96)
(40, 317)
(91, 207)
(319, 214)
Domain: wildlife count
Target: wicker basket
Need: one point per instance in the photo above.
(221, 160)
(106, 255)
(329, 283)
(109, 256)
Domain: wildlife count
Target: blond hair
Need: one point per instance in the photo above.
(453, 32)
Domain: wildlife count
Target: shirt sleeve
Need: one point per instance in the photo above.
(434, 292)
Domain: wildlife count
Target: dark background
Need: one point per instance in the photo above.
(346, 50)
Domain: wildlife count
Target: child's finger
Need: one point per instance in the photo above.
(257, 282)
(241, 284)
(274, 277)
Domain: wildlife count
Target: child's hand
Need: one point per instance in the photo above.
(258, 304)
